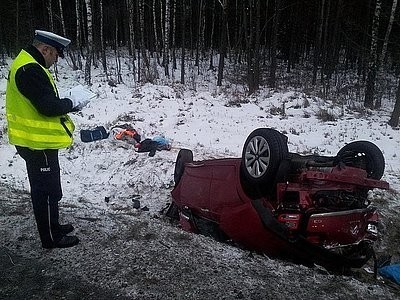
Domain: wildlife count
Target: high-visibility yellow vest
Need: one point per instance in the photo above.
(26, 126)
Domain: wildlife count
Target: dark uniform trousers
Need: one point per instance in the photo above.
(44, 179)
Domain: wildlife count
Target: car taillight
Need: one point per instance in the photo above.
(372, 226)
(292, 221)
(372, 229)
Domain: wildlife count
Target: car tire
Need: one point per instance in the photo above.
(184, 156)
(364, 155)
(263, 152)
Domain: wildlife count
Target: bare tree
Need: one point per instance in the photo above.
(200, 32)
(117, 55)
(387, 34)
(167, 29)
(294, 12)
(382, 56)
(78, 24)
(60, 7)
(372, 63)
(51, 21)
(183, 41)
(131, 24)
(102, 47)
(394, 119)
(332, 49)
(330, 35)
(212, 36)
(223, 42)
(253, 47)
(274, 44)
(50, 12)
(142, 48)
(64, 31)
(173, 35)
(155, 29)
(88, 65)
(318, 42)
(78, 45)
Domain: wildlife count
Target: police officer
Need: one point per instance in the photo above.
(38, 125)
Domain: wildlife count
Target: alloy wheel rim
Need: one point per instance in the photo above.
(257, 156)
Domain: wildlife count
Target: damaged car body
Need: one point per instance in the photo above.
(308, 208)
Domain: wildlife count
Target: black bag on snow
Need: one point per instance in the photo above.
(90, 135)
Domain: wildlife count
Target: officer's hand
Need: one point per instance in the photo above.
(78, 103)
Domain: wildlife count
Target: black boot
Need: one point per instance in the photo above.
(63, 229)
(65, 242)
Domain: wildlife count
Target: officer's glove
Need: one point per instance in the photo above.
(77, 102)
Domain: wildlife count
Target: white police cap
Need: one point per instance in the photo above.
(53, 40)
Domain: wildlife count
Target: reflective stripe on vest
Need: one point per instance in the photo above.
(26, 126)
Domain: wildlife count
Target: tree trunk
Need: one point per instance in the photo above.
(222, 47)
(183, 28)
(146, 64)
(69, 53)
(155, 29)
(162, 15)
(88, 65)
(394, 120)
(167, 30)
(253, 69)
(62, 18)
(274, 44)
(131, 25)
(117, 56)
(387, 34)
(173, 36)
(51, 21)
(294, 12)
(212, 36)
(362, 53)
(132, 51)
(78, 34)
(318, 43)
(324, 49)
(78, 25)
(265, 54)
(102, 48)
(200, 34)
(382, 56)
(139, 45)
(372, 68)
(49, 11)
(333, 50)
(257, 61)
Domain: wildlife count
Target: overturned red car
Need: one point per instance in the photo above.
(310, 209)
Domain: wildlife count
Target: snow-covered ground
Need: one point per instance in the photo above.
(211, 121)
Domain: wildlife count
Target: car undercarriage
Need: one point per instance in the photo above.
(308, 208)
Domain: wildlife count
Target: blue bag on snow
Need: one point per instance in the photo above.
(391, 272)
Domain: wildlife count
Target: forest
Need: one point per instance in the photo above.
(343, 50)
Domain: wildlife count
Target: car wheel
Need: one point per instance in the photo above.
(262, 154)
(184, 156)
(364, 155)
